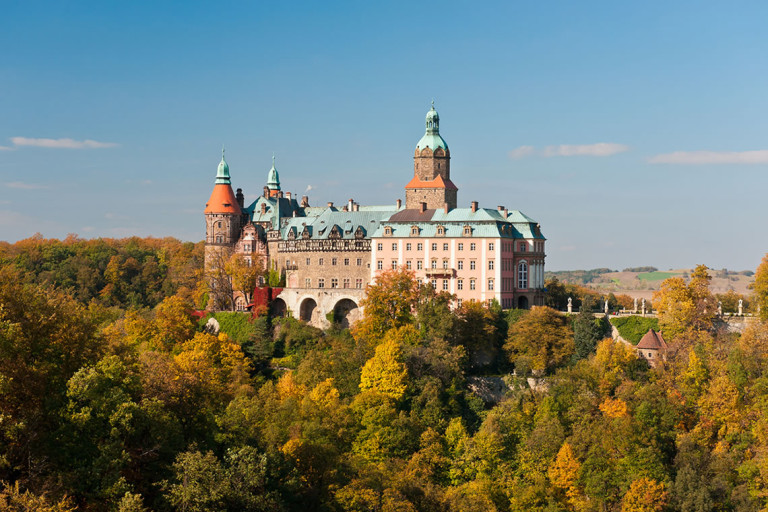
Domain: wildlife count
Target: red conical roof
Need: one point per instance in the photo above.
(222, 200)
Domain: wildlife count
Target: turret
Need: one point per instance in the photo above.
(222, 216)
(273, 180)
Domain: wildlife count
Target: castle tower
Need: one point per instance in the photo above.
(222, 218)
(273, 180)
(431, 181)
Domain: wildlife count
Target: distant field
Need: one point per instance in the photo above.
(656, 276)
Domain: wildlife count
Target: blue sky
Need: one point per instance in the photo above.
(635, 132)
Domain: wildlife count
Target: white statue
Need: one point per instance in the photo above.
(570, 305)
(741, 307)
(635, 307)
(606, 307)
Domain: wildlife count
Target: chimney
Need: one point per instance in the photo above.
(422, 207)
(330, 204)
(305, 201)
(288, 195)
(474, 206)
(350, 205)
(500, 208)
(506, 213)
(240, 197)
(263, 208)
(266, 191)
(357, 207)
(294, 213)
(399, 203)
(280, 194)
(446, 208)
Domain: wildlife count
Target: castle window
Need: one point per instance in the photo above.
(433, 282)
(445, 247)
(472, 265)
(522, 275)
(458, 303)
(490, 246)
(471, 284)
(345, 282)
(467, 231)
(419, 264)
(490, 284)
(358, 283)
(419, 247)
(334, 283)
(394, 264)
(460, 284)
(379, 265)
(461, 247)
(219, 239)
(379, 247)
(434, 264)
(219, 223)
(461, 264)
(414, 230)
(440, 230)
(472, 246)
(359, 262)
(346, 262)
(445, 263)
(333, 261)
(320, 261)
(490, 264)
(407, 247)
(388, 231)
(321, 283)
(445, 284)
(394, 246)
(434, 247)
(308, 260)
(408, 264)
(307, 283)
(523, 246)
(419, 282)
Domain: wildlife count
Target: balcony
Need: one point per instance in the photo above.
(440, 272)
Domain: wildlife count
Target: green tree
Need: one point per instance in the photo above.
(587, 331)
(540, 341)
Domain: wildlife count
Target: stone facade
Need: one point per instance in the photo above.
(329, 255)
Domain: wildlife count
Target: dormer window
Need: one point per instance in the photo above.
(359, 233)
(414, 230)
(467, 231)
(387, 231)
(440, 230)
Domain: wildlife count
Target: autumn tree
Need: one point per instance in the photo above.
(390, 303)
(760, 287)
(540, 341)
(385, 372)
(645, 495)
(244, 274)
(685, 307)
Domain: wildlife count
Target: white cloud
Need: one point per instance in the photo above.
(6, 148)
(521, 152)
(61, 143)
(711, 157)
(599, 149)
(24, 186)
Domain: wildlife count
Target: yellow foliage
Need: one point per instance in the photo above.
(288, 388)
(685, 307)
(324, 394)
(645, 495)
(614, 408)
(385, 372)
(564, 472)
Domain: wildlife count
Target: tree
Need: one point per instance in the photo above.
(685, 307)
(760, 287)
(385, 372)
(389, 304)
(645, 495)
(245, 275)
(540, 341)
(586, 331)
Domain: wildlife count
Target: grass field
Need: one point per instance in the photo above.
(656, 276)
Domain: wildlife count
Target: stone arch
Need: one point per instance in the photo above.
(346, 312)
(522, 302)
(278, 307)
(307, 309)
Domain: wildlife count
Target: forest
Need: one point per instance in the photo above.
(114, 397)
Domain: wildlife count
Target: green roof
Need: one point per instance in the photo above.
(432, 138)
(222, 173)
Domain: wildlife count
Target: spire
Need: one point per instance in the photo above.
(432, 138)
(222, 174)
(273, 179)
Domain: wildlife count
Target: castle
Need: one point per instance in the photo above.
(329, 254)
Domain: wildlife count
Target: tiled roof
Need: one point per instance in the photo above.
(438, 182)
(222, 200)
(652, 341)
(320, 226)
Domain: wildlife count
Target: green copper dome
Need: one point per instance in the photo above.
(222, 174)
(273, 179)
(432, 138)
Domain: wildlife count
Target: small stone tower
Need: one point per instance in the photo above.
(223, 218)
(431, 181)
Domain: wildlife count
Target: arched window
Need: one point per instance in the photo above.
(522, 275)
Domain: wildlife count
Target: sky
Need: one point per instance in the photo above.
(635, 133)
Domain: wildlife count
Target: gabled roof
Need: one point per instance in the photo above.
(652, 341)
